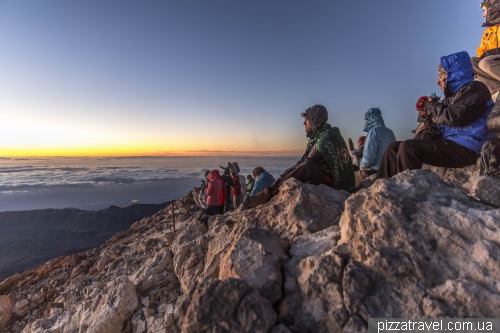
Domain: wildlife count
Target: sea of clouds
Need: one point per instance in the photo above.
(47, 173)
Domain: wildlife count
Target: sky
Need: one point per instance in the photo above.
(158, 77)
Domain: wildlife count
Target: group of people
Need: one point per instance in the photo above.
(454, 131)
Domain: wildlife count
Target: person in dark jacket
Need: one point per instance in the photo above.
(227, 170)
(461, 118)
(325, 161)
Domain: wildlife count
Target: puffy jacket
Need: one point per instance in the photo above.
(377, 140)
(462, 114)
(213, 189)
(222, 196)
(489, 43)
(265, 180)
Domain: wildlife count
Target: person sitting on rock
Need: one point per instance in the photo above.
(486, 63)
(461, 118)
(250, 183)
(263, 180)
(376, 142)
(356, 154)
(325, 161)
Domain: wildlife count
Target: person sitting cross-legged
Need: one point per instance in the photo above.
(325, 161)
(460, 116)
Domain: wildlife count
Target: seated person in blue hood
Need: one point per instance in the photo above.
(325, 161)
(376, 142)
(461, 118)
(263, 179)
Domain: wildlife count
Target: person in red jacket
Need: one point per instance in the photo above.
(213, 190)
(223, 195)
(236, 190)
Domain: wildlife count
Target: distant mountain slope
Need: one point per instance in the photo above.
(29, 238)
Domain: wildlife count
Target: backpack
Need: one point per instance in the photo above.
(427, 130)
(490, 158)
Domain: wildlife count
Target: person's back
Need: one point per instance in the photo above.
(213, 189)
(377, 139)
(263, 179)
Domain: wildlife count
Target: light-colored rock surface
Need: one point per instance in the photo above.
(5, 311)
(313, 259)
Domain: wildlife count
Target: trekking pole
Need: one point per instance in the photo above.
(173, 217)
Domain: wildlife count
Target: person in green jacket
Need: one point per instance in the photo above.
(325, 161)
(250, 182)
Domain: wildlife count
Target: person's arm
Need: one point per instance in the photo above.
(370, 150)
(467, 105)
(480, 50)
(210, 189)
(350, 144)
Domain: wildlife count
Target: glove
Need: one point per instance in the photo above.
(422, 103)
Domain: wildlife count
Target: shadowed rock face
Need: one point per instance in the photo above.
(311, 260)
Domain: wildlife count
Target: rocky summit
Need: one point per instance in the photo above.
(313, 259)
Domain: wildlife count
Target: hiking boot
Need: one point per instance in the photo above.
(488, 191)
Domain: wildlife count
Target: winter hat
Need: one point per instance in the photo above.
(362, 139)
(493, 14)
(441, 70)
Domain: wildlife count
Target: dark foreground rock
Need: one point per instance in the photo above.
(311, 260)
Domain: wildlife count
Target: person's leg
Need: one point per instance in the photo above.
(441, 153)
(308, 172)
(388, 165)
(488, 71)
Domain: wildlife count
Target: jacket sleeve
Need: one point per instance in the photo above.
(480, 50)
(210, 189)
(370, 151)
(467, 105)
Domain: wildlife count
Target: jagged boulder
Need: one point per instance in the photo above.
(230, 305)
(307, 261)
(415, 235)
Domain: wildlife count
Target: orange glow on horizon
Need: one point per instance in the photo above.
(14, 153)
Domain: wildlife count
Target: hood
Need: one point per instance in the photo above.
(318, 116)
(459, 69)
(216, 174)
(212, 175)
(373, 118)
(493, 15)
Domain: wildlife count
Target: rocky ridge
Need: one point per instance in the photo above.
(311, 260)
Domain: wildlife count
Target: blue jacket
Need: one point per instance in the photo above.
(265, 180)
(462, 114)
(377, 140)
